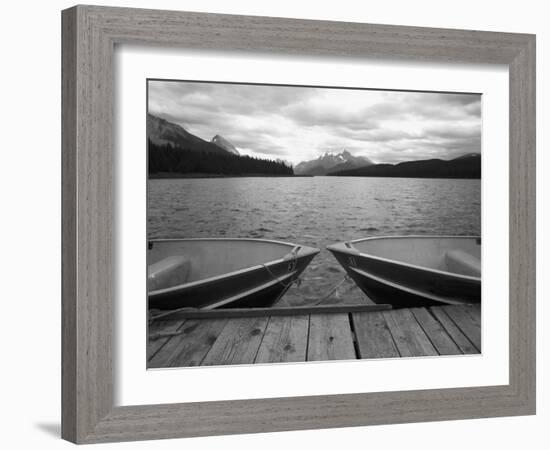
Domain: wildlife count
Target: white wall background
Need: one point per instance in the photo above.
(30, 221)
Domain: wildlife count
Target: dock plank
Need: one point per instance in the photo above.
(438, 336)
(460, 339)
(159, 332)
(285, 340)
(408, 335)
(475, 312)
(313, 333)
(190, 346)
(373, 336)
(238, 342)
(461, 316)
(330, 338)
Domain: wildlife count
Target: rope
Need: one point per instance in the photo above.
(296, 281)
(307, 300)
(275, 277)
(332, 291)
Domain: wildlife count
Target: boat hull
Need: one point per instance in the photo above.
(405, 285)
(259, 286)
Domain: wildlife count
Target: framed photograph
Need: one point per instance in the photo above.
(268, 222)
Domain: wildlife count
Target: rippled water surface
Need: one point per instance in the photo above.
(314, 211)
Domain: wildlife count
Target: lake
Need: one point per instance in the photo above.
(314, 211)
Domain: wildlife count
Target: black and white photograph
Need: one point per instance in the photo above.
(290, 224)
(276, 225)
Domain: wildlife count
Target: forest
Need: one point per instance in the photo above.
(169, 160)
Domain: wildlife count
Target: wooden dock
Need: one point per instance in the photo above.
(273, 335)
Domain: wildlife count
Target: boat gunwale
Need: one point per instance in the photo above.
(341, 247)
(254, 290)
(407, 289)
(181, 287)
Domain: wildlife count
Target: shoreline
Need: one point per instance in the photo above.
(170, 175)
(175, 176)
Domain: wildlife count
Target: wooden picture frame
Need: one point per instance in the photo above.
(90, 34)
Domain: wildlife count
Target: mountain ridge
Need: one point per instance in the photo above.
(467, 166)
(330, 162)
(172, 150)
(161, 132)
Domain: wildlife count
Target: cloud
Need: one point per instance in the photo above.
(299, 123)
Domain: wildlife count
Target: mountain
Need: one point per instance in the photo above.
(467, 155)
(162, 132)
(330, 162)
(221, 142)
(174, 152)
(465, 166)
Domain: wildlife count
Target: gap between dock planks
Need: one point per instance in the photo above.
(189, 345)
(373, 336)
(238, 342)
(212, 339)
(330, 338)
(285, 340)
(159, 333)
(467, 319)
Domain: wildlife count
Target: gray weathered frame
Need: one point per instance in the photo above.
(89, 36)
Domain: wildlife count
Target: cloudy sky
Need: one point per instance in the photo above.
(297, 124)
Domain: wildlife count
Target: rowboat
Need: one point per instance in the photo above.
(229, 273)
(408, 271)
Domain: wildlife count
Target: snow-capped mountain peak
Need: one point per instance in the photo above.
(331, 162)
